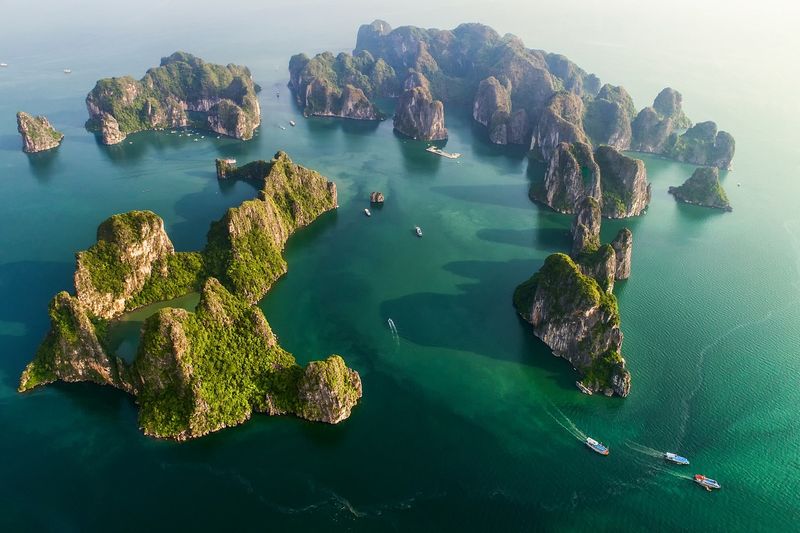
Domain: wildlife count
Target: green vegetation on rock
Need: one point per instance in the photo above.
(226, 95)
(37, 133)
(198, 372)
(703, 188)
(574, 315)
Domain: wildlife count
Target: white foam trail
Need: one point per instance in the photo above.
(687, 399)
(393, 330)
(641, 448)
(565, 422)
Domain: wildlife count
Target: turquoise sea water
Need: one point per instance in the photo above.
(467, 421)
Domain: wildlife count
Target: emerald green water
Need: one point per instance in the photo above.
(467, 421)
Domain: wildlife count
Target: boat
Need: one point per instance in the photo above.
(596, 446)
(366, 212)
(675, 458)
(3, 65)
(67, 71)
(292, 123)
(439, 151)
(283, 127)
(583, 388)
(705, 482)
(418, 231)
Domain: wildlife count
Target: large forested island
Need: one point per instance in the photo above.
(184, 90)
(576, 125)
(521, 95)
(198, 372)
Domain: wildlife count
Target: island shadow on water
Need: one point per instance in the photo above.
(491, 328)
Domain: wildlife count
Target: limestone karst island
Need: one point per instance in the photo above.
(420, 266)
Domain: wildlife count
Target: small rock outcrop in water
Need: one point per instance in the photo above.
(623, 180)
(328, 390)
(702, 144)
(225, 95)
(37, 133)
(182, 388)
(653, 126)
(376, 197)
(419, 116)
(578, 320)
(703, 188)
(586, 226)
(571, 175)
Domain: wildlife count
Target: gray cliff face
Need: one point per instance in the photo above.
(586, 226)
(324, 100)
(561, 121)
(623, 250)
(328, 391)
(109, 130)
(227, 118)
(571, 175)
(578, 320)
(669, 103)
(419, 116)
(137, 241)
(37, 133)
(74, 352)
(492, 97)
(650, 132)
(703, 145)
(626, 192)
(608, 117)
(653, 126)
(416, 79)
(601, 265)
(183, 82)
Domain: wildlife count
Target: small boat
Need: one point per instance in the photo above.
(3, 65)
(366, 212)
(706, 483)
(596, 446)
(283, 127)
(292, 123)
(418, 231)
(583, 388)
(67, 71)
(438, 151)
(675, 458)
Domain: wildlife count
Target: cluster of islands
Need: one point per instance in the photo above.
(198, 372)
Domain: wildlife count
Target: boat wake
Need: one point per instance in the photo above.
(646, 450)
(393, 330)
(671, 472)
(688, 398)
(564, 421)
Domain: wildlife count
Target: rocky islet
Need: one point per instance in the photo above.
(38, 135)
